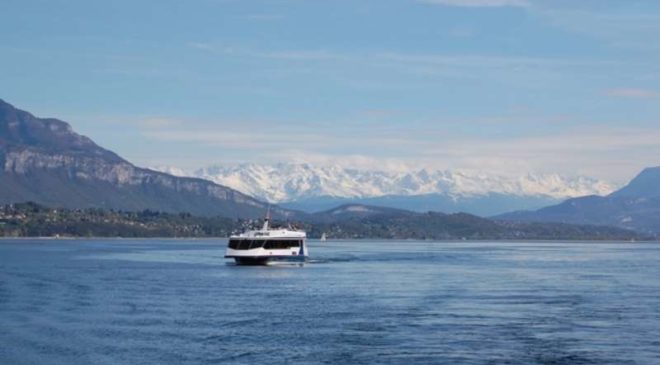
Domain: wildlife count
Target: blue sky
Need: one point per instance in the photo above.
(509, 86)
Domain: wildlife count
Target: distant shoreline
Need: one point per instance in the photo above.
(371, 223)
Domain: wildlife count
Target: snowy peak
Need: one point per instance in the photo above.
(290, 182)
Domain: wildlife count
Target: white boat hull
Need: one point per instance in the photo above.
(263, 256)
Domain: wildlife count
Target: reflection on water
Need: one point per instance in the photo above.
(181, 302)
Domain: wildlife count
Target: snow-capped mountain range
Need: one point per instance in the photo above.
(288, 182)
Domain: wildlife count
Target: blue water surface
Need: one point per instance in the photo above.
(356, 302)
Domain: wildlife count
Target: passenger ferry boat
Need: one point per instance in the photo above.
(267, 246)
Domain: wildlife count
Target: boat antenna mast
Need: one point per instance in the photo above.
(266, 220)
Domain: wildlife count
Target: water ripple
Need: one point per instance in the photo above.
(178, 302)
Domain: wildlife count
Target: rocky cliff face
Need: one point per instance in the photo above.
(22, 130)
(45, 161)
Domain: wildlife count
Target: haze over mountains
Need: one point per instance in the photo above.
(315, 188)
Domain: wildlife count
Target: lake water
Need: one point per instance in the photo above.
(362, 302)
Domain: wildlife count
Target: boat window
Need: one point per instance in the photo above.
(270, 245)
(281, 244)
(256, 244)
(233, 244)
(244, 245)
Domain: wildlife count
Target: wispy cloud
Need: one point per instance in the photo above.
(262, 17)
(305, 55)
(633, 93)
(479, 3)
(334, 62)
(613, 153)
(630, 30)
(152, 123)
(201, 45)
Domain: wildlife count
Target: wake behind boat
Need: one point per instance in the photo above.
(267, 246)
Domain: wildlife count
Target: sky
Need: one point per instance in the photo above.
(501, 86)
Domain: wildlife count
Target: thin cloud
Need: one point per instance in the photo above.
(201, 45)
(619, 29)
(154, 123)
(582, 150)
(479, 3)
(633, 93)
(568, 150)
(504, 69)
(305, 55)
(262, 17)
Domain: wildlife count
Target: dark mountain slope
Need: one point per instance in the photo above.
(635, 206)
(645, 185)
(361, 221)
(45, 161)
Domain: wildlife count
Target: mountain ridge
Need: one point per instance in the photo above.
(314, 188)
(645, 184)
(360, 221)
